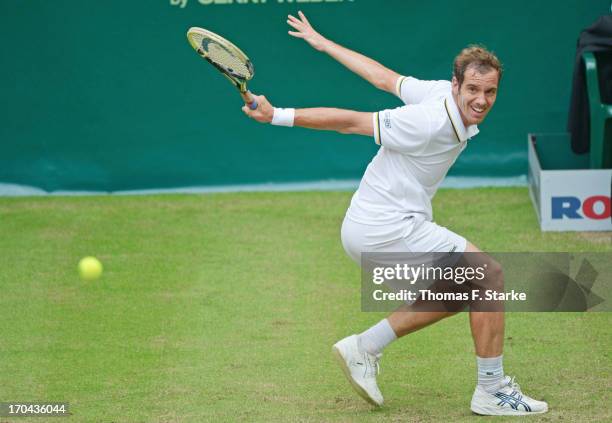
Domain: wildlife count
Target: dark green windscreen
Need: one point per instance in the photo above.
(108, 95)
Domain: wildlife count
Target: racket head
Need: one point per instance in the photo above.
(222, 54)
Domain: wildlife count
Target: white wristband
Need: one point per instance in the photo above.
(283, 117)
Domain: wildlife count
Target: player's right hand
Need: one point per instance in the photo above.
(306, 31)
(264, 111)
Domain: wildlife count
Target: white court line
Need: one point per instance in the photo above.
(15, 190)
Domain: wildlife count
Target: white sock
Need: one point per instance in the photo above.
(490, 373)
(375, 339)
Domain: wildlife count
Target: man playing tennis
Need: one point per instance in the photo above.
(391, 210)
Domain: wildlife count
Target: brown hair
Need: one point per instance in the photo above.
(476, 56)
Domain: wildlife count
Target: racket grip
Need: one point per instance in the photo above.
(249, 100)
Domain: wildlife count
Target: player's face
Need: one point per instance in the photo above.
(476, 95)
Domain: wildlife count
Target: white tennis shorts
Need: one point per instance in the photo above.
(412, 235)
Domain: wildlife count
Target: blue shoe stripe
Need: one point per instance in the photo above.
(513, 401)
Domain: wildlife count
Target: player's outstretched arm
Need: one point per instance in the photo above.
(372, 71)
(339, 120)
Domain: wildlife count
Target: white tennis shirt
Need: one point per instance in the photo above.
(419, 143)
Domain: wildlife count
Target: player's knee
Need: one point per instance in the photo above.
(495, 276)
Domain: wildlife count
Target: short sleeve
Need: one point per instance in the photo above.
(405, 129)
(413, 91)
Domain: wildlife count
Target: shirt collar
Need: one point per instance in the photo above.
(461, 131)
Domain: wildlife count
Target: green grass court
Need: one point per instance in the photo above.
(224, 308)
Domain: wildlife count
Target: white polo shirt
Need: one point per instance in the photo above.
(419, 143)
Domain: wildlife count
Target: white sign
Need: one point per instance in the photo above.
(570, 200)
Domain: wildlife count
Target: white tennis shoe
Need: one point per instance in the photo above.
(508, 400)
(360, 368)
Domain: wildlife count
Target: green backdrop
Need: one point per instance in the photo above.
(108, 95)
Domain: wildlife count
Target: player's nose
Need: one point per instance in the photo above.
(480, 102)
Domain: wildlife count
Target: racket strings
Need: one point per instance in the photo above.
(220, 55)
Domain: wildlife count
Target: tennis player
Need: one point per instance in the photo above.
(391, 210)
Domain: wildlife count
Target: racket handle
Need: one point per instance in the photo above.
(249, 100)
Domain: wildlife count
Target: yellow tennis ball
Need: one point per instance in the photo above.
(90, 268)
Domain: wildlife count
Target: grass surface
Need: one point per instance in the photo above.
(224, 308)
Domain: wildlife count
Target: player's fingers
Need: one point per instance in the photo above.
(246, 110)
(295, 25)
(294, 20)
(296, 34)
(303, 16)
(260, 99)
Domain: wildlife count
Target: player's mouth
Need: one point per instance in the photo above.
(478, 111)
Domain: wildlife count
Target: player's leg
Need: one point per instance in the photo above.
(487, 326)
(495, 393)
(425, 237)
(410, 318)
(359, 354)
(359, 365)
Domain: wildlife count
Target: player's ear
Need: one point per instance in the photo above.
(455, 85)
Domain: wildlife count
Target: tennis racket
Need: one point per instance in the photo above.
(226, 58)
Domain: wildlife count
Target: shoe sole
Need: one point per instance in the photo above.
(347, 373)
(504, 412)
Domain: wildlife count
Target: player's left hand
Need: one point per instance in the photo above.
(304, 30)
(264, 111)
